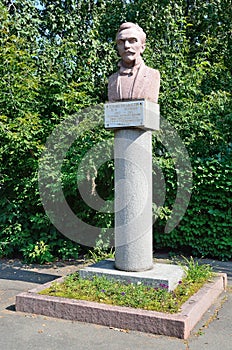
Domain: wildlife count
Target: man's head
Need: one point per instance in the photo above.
(130, 40)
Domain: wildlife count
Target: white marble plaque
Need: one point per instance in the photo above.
(139, 113)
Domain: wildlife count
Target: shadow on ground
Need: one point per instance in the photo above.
(223, 266)
(13, 273)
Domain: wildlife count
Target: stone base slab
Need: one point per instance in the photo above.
(176, 325)
(160, 276)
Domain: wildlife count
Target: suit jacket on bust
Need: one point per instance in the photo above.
(146, 85)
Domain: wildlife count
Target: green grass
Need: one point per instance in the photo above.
(102, 290)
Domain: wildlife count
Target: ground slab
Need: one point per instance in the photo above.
(161, 275)
(176, 325)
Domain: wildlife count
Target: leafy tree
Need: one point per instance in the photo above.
(55, 58)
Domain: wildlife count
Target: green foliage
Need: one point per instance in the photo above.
(97, 254)
(55, 59)
(137, 295)
(206, 226)
(196, 272)
(39, 252)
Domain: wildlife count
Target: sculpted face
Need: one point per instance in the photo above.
(130, 46)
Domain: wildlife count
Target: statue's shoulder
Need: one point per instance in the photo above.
(152, 72)
(112, 87)
(150, 83)
(113, 77)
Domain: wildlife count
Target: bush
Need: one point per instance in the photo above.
(51, 69)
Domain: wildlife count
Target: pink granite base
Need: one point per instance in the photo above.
(176, 325)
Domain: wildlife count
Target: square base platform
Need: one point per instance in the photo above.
(174, 325)
(160, 276)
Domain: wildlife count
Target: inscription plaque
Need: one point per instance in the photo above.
(142, 114)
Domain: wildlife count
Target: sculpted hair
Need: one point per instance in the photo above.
(130, 25)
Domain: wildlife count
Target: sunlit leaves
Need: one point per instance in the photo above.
(55, 59)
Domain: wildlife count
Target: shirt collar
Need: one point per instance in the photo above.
(126, 71)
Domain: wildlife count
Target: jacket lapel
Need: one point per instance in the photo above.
(139, 81)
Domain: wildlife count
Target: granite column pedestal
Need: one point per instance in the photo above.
(133, 199)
